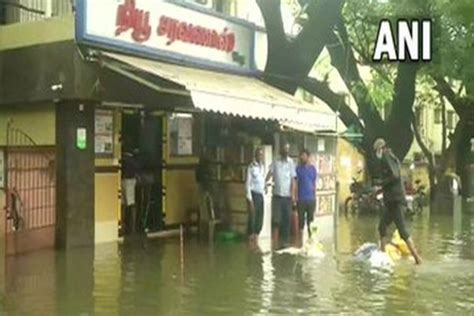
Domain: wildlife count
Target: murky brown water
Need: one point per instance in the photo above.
(148, 278)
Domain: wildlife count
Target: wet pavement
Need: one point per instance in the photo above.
(154, 278)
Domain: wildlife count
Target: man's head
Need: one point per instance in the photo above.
(259, 155)
(379, 147)
(304, 156)
(285, 150)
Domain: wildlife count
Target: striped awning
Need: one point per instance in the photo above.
(229, 94)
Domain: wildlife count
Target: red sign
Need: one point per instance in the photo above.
(176, 30)
(129, 17)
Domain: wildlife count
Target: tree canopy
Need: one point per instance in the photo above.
(348, 30)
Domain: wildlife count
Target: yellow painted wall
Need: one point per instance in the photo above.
(38, 121)
(107, 207)
(181, 187)
(182, 195)
(349, 161)
(39, 32)
(108, 190)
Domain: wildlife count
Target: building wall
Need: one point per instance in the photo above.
(432, 131)
(36, 120)
(349, 162)
(181, 188)
(108, 190)
(38, 32)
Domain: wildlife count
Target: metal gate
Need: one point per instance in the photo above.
(31, 193)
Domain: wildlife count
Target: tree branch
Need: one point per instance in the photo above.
(427, 152)
(292, 60)
(323, 15)
(445, 89)
(399, 132)
(277, 41)
(342, 58)
(335, 101)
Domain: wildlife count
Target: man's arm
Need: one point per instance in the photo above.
(269, 174)
(248, 189)
(394, 170)
(294, 191)
(294, 183)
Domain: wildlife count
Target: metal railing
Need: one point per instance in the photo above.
(31, 183)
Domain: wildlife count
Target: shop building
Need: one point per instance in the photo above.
(166, 78)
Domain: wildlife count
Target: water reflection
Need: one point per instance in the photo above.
(143, 277)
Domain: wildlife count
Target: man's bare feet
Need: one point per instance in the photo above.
(418, 260)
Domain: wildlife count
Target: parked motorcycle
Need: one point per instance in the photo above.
(416, 198)
(363, 199)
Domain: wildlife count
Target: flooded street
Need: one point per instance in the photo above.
(149, 278)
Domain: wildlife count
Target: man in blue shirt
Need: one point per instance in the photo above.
(306, 175)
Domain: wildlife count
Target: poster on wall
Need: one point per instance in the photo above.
(321, 145)
(104, 132)
(181, 134)
(2, 169)
(325, 204)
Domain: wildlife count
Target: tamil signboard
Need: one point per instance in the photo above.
(165, 30)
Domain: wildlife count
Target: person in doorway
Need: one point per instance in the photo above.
(130, 173)
(204, 181)
(255, 188)
(283, 172)
(394, 197)
(306, 175)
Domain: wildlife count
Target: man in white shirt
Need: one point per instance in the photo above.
(255, 187)
(283, 172)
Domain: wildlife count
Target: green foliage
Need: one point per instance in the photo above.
(454, 39)
(453, 43)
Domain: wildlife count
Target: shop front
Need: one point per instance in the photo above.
(163, 81)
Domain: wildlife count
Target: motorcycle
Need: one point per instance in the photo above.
(416, 198)
(363, 199)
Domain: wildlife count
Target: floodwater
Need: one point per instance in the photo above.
(154, 278)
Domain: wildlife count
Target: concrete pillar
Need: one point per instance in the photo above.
(74, 174)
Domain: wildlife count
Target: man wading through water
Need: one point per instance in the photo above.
(394, 197)
(306, 175)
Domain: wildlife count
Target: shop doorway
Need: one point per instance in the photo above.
(142, 137)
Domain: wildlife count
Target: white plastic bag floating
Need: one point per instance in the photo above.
(370, 253)
(381, 260)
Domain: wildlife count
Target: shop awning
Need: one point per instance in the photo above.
(225, 93)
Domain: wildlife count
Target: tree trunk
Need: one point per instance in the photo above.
(289, 61)
(429, 156)
(398, 130)
(443, 125)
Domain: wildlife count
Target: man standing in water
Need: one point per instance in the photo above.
(255, 188)
(394, 197)
(130, 172)
(283, 172)
(306, 187)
